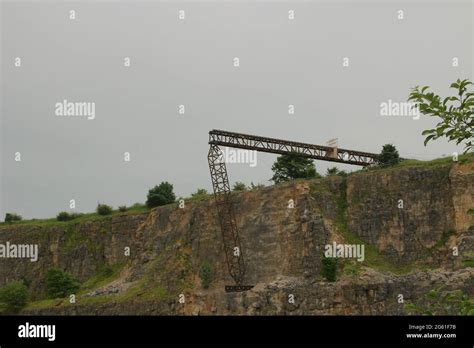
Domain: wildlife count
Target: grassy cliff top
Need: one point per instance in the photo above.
(141, 208)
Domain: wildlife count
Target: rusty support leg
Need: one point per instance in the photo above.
(230, 235)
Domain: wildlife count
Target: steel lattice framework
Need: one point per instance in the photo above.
(222, 191)
(282, 147)
(230, 235)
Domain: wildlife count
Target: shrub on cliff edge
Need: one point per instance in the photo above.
(329, 268)
(160, 195)
(65, 216)
(13, 297)
(60, 283)
(10, 217)
(389, 156)
(239, 186)
(293, 166)
(104, 209)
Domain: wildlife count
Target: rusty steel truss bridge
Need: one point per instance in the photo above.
(222, 190)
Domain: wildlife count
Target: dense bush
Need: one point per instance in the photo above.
(293, 166)
(13, 297)
(59, 283)
(200, 193)
(329, 268)
(10, 217)
(205, 273)
(104, 209)
(65, 216)
(122, 208)
(239, 186)
(137, 206)
(160, 195)
(389, 156)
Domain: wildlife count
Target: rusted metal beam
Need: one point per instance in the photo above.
(283, 147)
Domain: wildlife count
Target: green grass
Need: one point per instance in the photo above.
(467, 263)
(145, 289)
(351, 268)
(441, 302)
(462, 159)
(197, 198)
(44, 303)
(133, 210)
(103, 276)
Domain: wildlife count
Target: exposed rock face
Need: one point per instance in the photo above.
(78, 248)
(371, 294)
(282, 248)
(435, 203)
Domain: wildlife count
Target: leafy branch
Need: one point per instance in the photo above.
(456, 113)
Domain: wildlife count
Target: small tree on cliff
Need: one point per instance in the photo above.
(456, 113)
(389, 156)
(13, 297)
(293, 166)
(329, 268)
(10, 217)
(59, 283)
(160, 195)
(104, 209)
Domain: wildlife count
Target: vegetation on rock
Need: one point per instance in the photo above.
(104, 209)
(205, 273)
(389, 156)
(329, 268)
(160, 195)
(11, 217)
(13, 297)
(438, 302)
(239, 186)
(293, 166)
(59, 283)
(65, 216)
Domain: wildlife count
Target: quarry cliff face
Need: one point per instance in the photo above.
(408, 220)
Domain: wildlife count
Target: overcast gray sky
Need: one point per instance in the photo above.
(190, 62)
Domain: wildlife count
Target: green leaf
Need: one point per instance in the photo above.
(428, 138)
(428, 131)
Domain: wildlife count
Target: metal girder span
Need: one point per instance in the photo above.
(279, 146)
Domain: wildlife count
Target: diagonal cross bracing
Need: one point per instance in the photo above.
(282, 147)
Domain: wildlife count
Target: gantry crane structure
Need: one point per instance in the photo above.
(222, 190)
